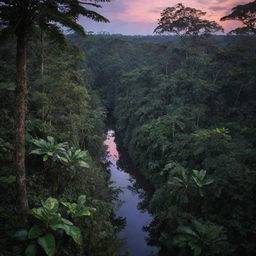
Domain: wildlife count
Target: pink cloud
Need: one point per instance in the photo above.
(133, 17)
(149, 11)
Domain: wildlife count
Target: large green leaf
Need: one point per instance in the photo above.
(75, 233)
(87, 211)
(50, 139)
(47, 242)
(197, 250)
(187, 231)
(65, 221)
(34, 232)
(39, 214)
(31, 250)
(51, 204)
(72, 231)
(37, 152)
(45, 158)
(71, 207)
(84, 164)
(81, 200)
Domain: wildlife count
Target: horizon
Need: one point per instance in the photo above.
(142, 17)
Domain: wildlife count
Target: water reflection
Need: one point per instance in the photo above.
(133, 207)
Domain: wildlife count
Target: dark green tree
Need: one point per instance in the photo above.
(185, 21)
(246, 14)
(19, 18)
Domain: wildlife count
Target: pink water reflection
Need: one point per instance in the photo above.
(110, 143)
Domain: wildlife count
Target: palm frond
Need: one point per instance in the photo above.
(94, 15)
(56, 34)
(5, 33)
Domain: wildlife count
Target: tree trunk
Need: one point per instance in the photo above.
(42, 69)
(173, 130)
(42, 53)
(21, 93)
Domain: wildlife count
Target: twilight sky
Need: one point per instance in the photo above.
(139, 17)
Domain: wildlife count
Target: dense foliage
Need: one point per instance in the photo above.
(185, 110)
(22, 19)
(68, 193)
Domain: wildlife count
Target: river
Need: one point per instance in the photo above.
(134, 189)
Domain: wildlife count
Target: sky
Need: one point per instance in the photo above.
(139, 17)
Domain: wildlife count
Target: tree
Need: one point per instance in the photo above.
(203, 238)
(50, 222)
(185, 21)
(247, 15)
(19, 18)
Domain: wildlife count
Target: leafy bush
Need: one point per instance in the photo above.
(47, 232)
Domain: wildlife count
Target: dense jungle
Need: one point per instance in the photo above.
(181, 103)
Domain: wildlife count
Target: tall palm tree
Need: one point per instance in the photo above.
(18, 18)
